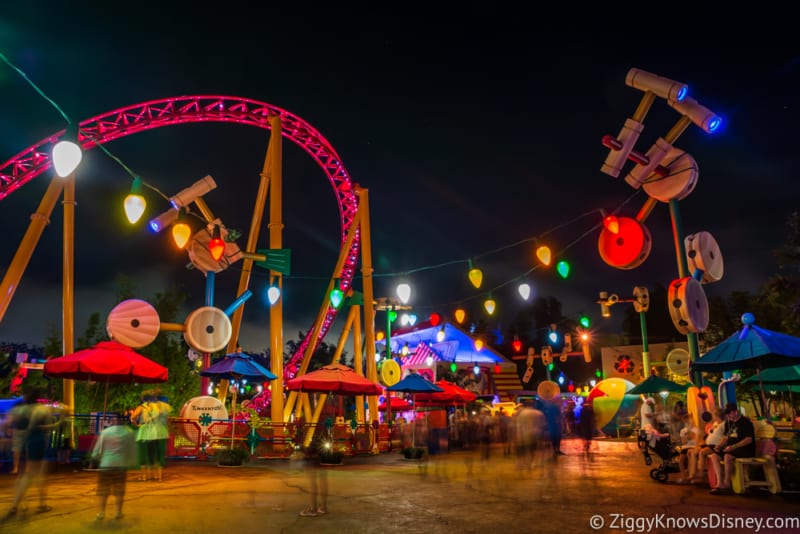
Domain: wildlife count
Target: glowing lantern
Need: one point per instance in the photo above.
(181, 232)
(497, 368)
(440, 335)
(476, 277)
(216, 246)
(544, 254)
(628, 248)
(460, 315)
(479, 344)
(404, 293)
(379, 336)
(516, 344)
(435, 319)
(563, 268)
(273, 294)
(489, 305)
(336, 295)
(134, 202)
(453, 367)
(524, 291)
(611, 223)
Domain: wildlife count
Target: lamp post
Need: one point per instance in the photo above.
(641, 303)
(391, 306)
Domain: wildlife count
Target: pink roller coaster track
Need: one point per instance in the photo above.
(122, 122)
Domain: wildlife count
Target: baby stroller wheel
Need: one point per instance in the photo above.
(659, 475)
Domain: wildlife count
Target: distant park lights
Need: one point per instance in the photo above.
(67, 153)
(135, 203)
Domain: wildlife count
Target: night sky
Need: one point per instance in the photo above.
(471, 132)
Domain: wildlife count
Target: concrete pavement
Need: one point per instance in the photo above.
(454, 492)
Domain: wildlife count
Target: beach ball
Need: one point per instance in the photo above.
(607, 398)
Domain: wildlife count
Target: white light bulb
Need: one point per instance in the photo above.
(524, 291)
(404, 293)
(66, 157)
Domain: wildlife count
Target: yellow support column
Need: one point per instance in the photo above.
(275, 242)
(369, 299)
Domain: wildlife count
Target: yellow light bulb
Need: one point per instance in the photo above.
(460, 315)
(476, 277)
(544, 254)
(181, 233)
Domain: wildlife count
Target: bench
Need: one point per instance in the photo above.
(764, 463)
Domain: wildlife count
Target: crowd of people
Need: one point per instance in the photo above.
(726, 434)
(122, 445)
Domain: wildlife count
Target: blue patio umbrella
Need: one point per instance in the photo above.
(236, 367)
(415, 383)
(751, 347)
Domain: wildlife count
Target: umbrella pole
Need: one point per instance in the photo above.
(105, 403)
(763, 397)
(233, 413)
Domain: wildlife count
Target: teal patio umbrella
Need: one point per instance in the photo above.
(656, 384)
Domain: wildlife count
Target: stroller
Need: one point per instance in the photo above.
(665, 450)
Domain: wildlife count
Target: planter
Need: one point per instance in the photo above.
(232, 457)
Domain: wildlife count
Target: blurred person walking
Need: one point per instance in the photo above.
(115, 451)
(145, 417)
(34, 470)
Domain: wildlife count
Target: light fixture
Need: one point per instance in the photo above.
(164, 220)
(544, 254)
(563, 268)
(460, 315)
(404, 293)
(135, 202)
(337, 295)
(611, 223)
(273, 294)
(489, 304)
(216, 246)
(524, 290)
(475, 275)
(67, 153)
(181, 232)
(440, 335)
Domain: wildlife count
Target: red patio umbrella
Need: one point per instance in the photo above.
(397, 405)
(452, 394)
(334, 378)
(107, 361)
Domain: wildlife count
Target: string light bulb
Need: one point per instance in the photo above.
(404, 293)
(489, 304)
(337, 295)
(460, 315)
(524, 290)
(181, 232)
(273, 294)
(544, 255)
(216, 246)
(135, 203)
(611, 223)
(440, 335)
(475, 275)
(478, 344)
(67, 153)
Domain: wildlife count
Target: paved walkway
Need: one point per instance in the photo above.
(451, 493)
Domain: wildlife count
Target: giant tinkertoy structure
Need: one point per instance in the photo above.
(667, 174)
(353, 209)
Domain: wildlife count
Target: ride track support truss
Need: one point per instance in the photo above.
(122, 122)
